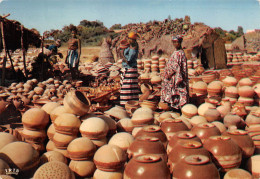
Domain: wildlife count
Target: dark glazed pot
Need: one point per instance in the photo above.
(183, 149)
(180, 136)
(195, 167)
(171, 126)
(147, 145)
(153, 131)
(146, 166)
(205, 130)
(243, 140)
(226, 153)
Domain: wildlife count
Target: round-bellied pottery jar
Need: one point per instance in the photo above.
(252, 119)
(220, 126)
(109, 158)
(36, 136)
(230, 81)
(67, 124)
(122, 140)
(85, 168)
(99, 174)
(153, 131)
(183, 149)
(231, 92)
(81, 149)
(225, 152)
(180, 136)
(212, 114)
(214, 88)
(125, 125)
(195, 166)
(152, 167)
(62, 140)
(245, 82)
(195, 120)
(237, 173)
(142, 116)
(147, 145)
(205, 130)
(171, 126)
(243, 140)
(35, 118)
(246, 91)
(203, 108)
(94, 128)
(232, 119)
(189, 110)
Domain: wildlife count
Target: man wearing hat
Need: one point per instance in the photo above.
(175, 85)
(130, 88)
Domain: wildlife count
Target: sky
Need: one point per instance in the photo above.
(55, 14)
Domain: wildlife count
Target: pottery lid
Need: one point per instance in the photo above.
(148, 158)
(185, 135)
(117, 112)
(219, 138)
(237, 132)
(206, 125)
(147, 138)
(196, 159)
(151, 128)
(190, 144)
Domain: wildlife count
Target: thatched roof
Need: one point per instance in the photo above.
(12, 32)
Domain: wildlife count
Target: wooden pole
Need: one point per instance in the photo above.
(5, 56)
(11, 61)
(22, 45)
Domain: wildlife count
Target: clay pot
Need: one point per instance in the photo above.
(22, 156)
(148, 164)
(147, 145)
(6, 138)
(196, 166)
(38, 90)
(111, 124)
(35, 118)
(62, 140)
(200, 87)
(246, 101)
(99, 142)
(245, 82)
(153, 131)
(84, 168)
(109, 158)
(149, 104)
(246, 91)
(205, 130)
(34, 136)
(52, 156)
(17, 102)
(226, 153)
(165, 115)
(67, 124)
(76, 103)
(54, 169)
(99, 174)
(122, 140)
(81, 149)
(220, 126)
(142, 116)
(243, 140)
(232, 119)
(214, 88)
(189, 110)
(131, 106)
(56, 112)
(252, 119)
(125, 125)
(253, 166)
(181, 136)
(212, 114)
(203, 108)
(171, 126)
(51, 131)
(185, 148)
(230, 81)
(237, 173)
(195, 120)
(117, 112)
(94, 128)
(49, 107)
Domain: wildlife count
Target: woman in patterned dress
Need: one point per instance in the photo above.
(175, 85)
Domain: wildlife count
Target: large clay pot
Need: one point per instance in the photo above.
(153, 131)
(67, 124)
(232, 119)
(246, 91)
(205, 130)
(212, 114)
(189, 110)
(243, 140)
(238, 173)
(35, 118)
(171, 126)
(122, 140)
(147, 145)
(76, 103)
(142, 116)
(225, 152)
(152, 167)
(180, 136)
(183, 149)
(85, 168)
(195, 166)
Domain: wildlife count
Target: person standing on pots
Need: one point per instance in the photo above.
(73, 54)
(175, 85)
(129, 53)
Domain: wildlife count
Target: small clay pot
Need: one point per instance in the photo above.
(147, 145)
(196, 166)
(212, 114)
(152, 167)
(153, 131)
(205, 130)
(226, 153)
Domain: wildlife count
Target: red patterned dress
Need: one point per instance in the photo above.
(175, 85)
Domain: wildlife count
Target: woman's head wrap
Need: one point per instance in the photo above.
(177, 38)
(132, 35)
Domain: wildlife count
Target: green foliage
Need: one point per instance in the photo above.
(231, 35)
(115, 26)
(91, 33)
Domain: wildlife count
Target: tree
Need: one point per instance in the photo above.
(116, 26)
(240, 31)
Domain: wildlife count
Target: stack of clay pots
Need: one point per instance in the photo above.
(139, 65)
(34, 122)
(155, 64)
(162, 63)
(147, 65)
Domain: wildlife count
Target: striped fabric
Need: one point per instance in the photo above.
(130, 88)
(72, 58)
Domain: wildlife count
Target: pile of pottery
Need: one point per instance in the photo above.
(155, 64)
(241, 57)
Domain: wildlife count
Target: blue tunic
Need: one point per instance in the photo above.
(131, 56)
